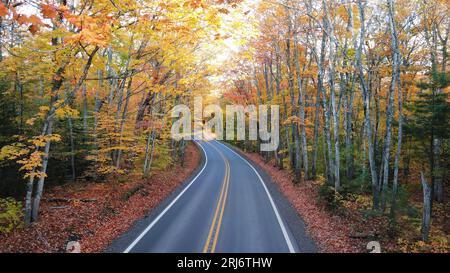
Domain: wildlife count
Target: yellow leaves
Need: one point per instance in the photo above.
(12, 152)
(66, 111)
(342, 12)
(30, 121)
(41, 141)
(31, 164)
(53, 137)
(43, 111)
(38, 142)
(44, 108)
(108, 169)
(3, 10)
(33, 161)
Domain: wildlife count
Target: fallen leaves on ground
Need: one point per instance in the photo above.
(96, 213)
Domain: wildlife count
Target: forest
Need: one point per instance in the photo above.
(86, 87)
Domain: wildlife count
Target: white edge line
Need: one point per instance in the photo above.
(170, 205)
(274, 207)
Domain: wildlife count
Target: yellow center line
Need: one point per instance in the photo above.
(223, 209)
(219, 208)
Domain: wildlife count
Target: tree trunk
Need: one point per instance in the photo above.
(278, 79)
(40, 184)
(72, 148)
(366, 100)
(389, 117)
(122, 121)
(320, 65)
(426, 214)
(334, 110)
(301, 102)
(396, 70)
(85, 110)
(294, 127)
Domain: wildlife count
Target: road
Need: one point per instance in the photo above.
(226, 207)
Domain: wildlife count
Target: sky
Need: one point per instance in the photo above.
(239, 26)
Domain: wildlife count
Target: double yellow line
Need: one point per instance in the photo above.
(213, 235)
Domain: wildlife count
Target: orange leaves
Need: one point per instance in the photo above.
(33, 21)
(21, 19)
(195, 4)
(49, 11)
(89, 37)
(291, 120)
(3, 10)
(94, 30)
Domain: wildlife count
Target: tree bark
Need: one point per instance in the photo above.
(301, 103)
(366, 100)
(72, 149)
(426, 214)
(396, 70)
(334, 110)
(40, 184)
(296, 162)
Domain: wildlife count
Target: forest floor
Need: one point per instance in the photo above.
(353, 225)
(94, 214)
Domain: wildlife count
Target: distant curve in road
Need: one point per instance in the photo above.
(226, 207)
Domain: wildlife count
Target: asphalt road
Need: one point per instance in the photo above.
(226, 206)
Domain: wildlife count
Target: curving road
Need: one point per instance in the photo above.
(226, 207)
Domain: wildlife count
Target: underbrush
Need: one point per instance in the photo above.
(11, 216)
(402, 234)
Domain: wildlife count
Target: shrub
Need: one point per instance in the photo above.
(11, 215)
(331, 199)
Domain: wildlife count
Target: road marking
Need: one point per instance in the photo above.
(170, 205)
(274, 207)
(223, 209)
(220, 207)
(219, 203)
